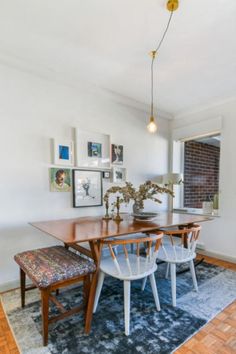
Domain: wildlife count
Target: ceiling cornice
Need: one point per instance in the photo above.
(205, 107)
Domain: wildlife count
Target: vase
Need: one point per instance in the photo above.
(137, 208)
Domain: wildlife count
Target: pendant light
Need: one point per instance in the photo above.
(171, 5)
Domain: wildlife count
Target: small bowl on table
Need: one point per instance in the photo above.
(144, 216)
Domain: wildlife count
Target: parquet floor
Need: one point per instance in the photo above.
(7, 341)
(217, 337)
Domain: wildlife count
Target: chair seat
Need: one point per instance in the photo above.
(175, 254)
(134, 268)
(130, 236)
(47, 266)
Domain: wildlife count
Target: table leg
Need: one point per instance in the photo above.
(96, 250)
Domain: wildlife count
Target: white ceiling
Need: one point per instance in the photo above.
(106, 43)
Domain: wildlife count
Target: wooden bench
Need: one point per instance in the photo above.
(49, 269)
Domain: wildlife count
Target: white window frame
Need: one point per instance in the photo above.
(178, 204)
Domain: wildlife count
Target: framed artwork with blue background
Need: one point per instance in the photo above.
(63, 152)
(92, 149)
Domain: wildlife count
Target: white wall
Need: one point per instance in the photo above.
(34, 110)
(219, 236)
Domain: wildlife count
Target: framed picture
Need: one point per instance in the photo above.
(63, 152)
(60, 179)
(117, 154)
(87, 188)
(92, 149)
(106, 174)
(118, 174)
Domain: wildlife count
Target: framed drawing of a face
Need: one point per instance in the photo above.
(87, 188)
(117, 154)
(60, 179)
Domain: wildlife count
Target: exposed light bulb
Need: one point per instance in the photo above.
(152, 126)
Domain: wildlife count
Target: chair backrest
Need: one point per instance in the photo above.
(151, 244)
(189, 237)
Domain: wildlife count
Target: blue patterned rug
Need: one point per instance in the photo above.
(151, 331)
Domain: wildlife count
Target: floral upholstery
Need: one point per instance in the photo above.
(47, 266)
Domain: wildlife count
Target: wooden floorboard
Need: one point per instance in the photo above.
(7, 341)
(217, 337)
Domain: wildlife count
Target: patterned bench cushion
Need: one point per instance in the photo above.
(46, 266)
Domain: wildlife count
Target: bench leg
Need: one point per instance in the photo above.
(45, 310)
(22, 287)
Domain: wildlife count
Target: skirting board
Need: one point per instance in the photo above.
(223, 257)
(10, 285)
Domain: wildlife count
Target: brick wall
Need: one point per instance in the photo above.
(201, 173)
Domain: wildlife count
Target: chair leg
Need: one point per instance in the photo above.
(192, 269)
(154, 291)
(98, 290)
(167, 270)
(144, 283)
(22, 287)
(132, 248)
(127, 305)
(173, 283)
(45, 309)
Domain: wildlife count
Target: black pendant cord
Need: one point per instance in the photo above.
(154, 56)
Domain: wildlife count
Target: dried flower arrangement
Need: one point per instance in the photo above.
(147, 190)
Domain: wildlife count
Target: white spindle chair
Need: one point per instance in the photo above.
(130, 266)
(173, 252)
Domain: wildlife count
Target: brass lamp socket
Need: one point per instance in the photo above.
(153, 54)
(152, 119)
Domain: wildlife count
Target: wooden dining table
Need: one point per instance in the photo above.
(93, 229)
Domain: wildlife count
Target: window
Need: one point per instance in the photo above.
(199, 161)
(201, 171)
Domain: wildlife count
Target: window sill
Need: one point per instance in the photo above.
(215, 213)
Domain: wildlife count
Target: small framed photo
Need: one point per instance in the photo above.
(117, 153)
(87, 188)
(60, 179)
(106, 174)
(94, 149)
(63, 152)
(119, 174)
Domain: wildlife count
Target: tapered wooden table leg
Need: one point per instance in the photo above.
(96, 252)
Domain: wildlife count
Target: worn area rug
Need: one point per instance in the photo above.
(151, 331)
